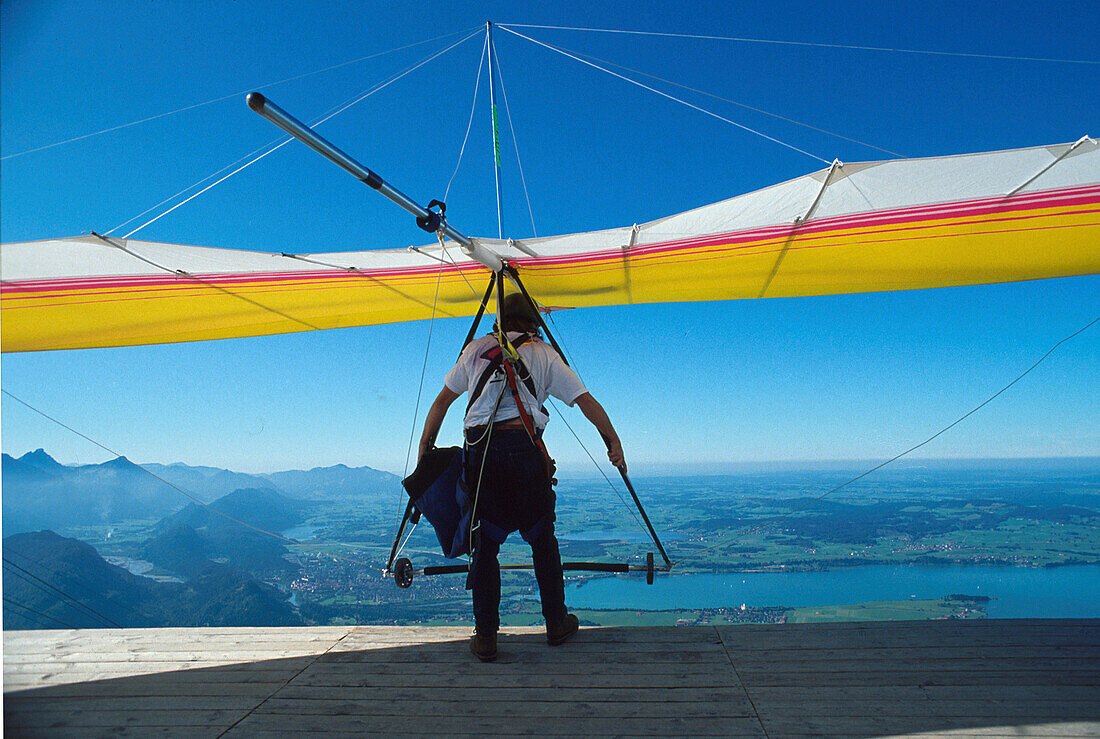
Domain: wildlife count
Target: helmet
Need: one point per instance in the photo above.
(516, 306)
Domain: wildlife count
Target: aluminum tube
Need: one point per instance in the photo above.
(303, 133)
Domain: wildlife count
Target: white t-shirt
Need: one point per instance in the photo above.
(550, 374)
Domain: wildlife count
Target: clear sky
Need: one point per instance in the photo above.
(847, 377)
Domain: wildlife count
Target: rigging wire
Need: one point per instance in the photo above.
(41, 584)
(226, 97)
(804, 43)
(69, 581)
(274, 147)
(420, 386)
(377, 88)
(209, 284)
(175, 487)
(470, 123)
(423, 372)
(896, 457)
(461, 273)
(742, 105)
(597, 464)
(515, 145)
(670, 97)
(12, 603)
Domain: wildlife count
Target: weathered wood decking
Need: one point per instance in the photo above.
(989, 678)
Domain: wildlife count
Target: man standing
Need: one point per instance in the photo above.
(507, 471)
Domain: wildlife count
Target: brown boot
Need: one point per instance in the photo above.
(484, 645)
(560, 632)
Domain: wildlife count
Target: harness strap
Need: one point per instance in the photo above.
(496, 359)
(510, 372)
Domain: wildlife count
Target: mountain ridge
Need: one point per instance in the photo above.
(41, 493)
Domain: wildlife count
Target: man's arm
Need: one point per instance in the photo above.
(595, 413)
(435, 419)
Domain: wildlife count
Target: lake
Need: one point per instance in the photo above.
(1019, 592)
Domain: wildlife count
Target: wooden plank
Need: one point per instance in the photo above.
(54, 723)
(472, 668)
(118, 731)
(510, 694)
(241, 632)
(148, 686)
(126, 703)
(931, 627)
(461, 653)
(92, 665)
(107, 658)
(186, 683)
(872, 640)
(1063, 664)
(936, 625)
(516, 725)
(337, 673)
(87, 673)
(603, 634)
(1014, 692)
(190, 645)
(937, 726)
(908, 693)
(920, 653)
(351, 644)
(487, 706)
(978, 711)
(922, 678)
(526, 680)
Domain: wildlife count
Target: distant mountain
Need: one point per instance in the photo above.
(38, 459)
(54, 582)
(260, 507)
(179, 549)
(207, 483)
(189, 541)
(336, 483)
(40, 493)
(223, 598)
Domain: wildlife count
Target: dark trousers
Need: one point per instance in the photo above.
(486, 580)
(513, 493)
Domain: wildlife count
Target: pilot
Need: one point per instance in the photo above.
(508, 473)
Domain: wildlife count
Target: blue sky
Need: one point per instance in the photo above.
(845, 377)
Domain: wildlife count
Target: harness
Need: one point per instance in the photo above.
(495, 355)
(504, 355)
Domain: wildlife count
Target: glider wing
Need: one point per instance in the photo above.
(902, 224)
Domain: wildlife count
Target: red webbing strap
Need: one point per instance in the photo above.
(510, 372)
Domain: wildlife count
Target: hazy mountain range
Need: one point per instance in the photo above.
(40, 493)
(190, 541)
(54, 582)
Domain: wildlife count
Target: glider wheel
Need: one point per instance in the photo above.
(649, 568)
(403, 572)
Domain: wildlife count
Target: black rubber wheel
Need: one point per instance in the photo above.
(403, 572)
(649, 568)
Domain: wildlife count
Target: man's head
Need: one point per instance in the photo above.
(517, 314)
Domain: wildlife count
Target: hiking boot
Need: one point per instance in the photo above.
(560, 632)
(484, 645)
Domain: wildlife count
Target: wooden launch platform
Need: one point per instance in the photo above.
(987, 678)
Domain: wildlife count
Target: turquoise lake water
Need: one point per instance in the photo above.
(1018, 592)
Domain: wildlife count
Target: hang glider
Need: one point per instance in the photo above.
(903, 224)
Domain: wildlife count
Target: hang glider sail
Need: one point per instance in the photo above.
(903, 224)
